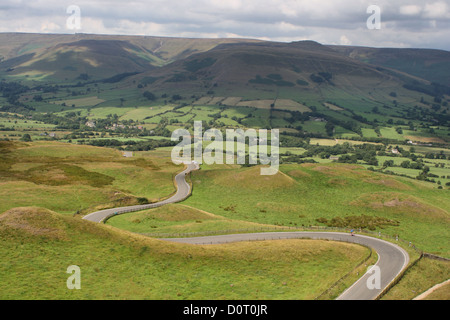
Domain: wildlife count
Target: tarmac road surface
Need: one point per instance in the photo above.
(391, 258)
(183, 191)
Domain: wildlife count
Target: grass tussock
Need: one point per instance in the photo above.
(251, 178)
(356, 222)
(64, 174)
(399, 203)
(34, 222)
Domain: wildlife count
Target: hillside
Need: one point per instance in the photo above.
(428, 64)
(274, 69)
(38, 245)
(57, 58)
(355, 79)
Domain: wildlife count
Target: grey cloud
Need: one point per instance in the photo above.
(327, 20)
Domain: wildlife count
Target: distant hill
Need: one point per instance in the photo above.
(268, 66)
(432, 65)
(347, 84)
(56, 58)
(305, 71)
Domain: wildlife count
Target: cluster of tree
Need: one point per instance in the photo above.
(321, 77)
(12, 92)
(130, 145)
(440, 155)
(195, 65)
(433, 89)
(365, 152)
(149, 96)
(347, 153)
(119, 77)
(149, 145)
(71, 121)
(161, 129)
(427, 115)
(47, 88)
(295, 158)
(107, 143)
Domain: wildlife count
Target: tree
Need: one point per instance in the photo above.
(329, 127)
(406, 164)
(388, 163)
(26, 137)
(150, 96)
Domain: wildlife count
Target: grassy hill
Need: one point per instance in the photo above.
(63, 58)
(272, 70)
(67, 178)
(38, 245)
(427, 64)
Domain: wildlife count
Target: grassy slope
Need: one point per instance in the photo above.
(66, 178)
(300, 194)
(419, 278)
(441, 293)
(37, 246)
(65, 57)
(182, 219)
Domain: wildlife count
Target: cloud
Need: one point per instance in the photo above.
(410, 10)
(437, 10)
(345, 41)
(409, 23)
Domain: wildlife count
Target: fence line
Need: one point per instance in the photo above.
(398, 278)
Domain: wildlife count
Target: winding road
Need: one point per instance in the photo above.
(183, 191)
(392, 259)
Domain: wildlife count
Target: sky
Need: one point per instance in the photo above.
(402, 23)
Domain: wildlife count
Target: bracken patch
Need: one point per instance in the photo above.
(34, 222)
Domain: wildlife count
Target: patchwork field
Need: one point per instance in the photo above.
(82, 102)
